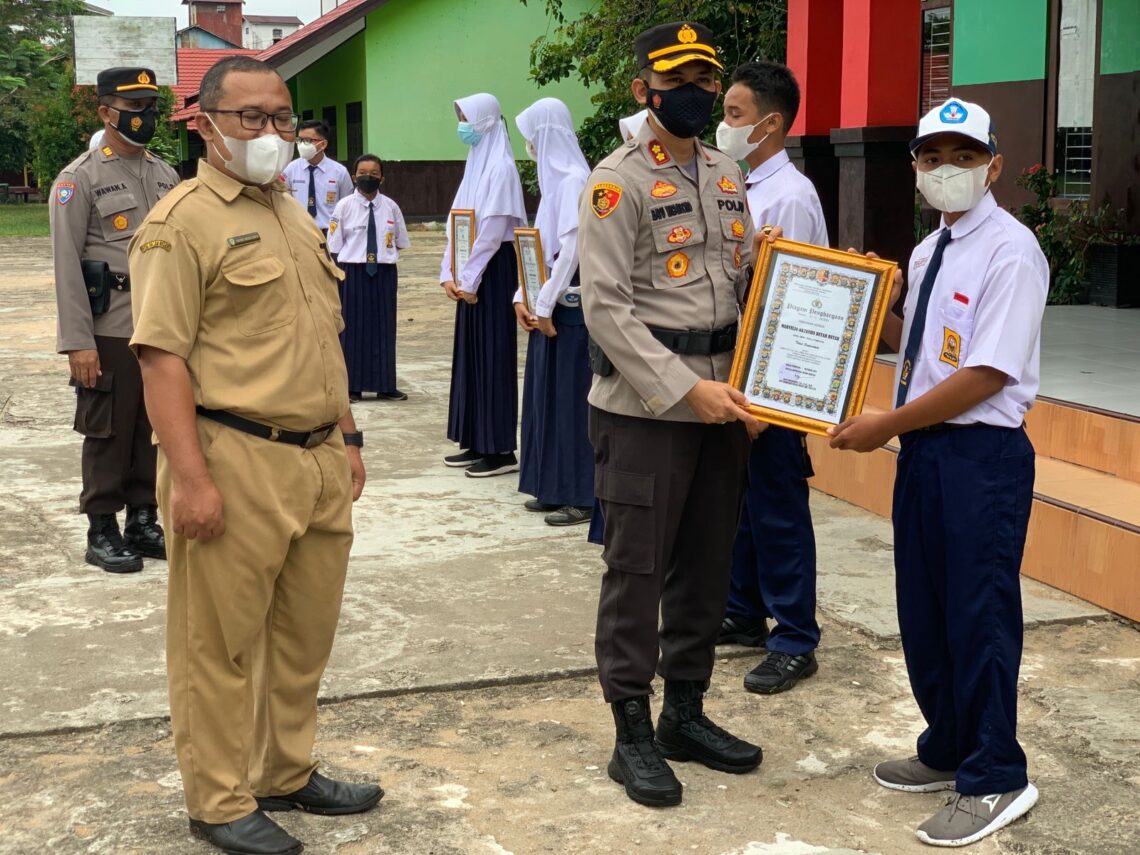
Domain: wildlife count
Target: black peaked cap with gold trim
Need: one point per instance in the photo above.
(132, 83)
(667, 46)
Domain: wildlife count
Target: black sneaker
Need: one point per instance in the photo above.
(747, 633)
(569, 515)
(684, 732)
(463, 459)
(395, 395)
(780, 672)
(493, 464)
(538, 507)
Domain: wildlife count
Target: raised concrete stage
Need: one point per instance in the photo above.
(1084, 533)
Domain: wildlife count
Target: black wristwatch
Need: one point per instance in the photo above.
(356, 439)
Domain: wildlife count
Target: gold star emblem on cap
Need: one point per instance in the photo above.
(686, 35)
(144, 78)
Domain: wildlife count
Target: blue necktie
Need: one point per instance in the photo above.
(371, 267)
(918, 324)
(312, 207)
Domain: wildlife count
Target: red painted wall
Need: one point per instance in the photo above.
(815, 56)
(226, 24)
(881, 48)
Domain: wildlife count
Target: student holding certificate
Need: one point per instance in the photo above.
(483, 407)
(557, 466)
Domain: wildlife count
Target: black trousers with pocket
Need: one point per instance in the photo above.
(671, 495)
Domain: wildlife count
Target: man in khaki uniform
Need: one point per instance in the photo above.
(666, 242)
(236, 325)
(95, 206)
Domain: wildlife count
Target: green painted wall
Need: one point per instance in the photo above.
(335, 80)
(1000, 40)
(1120, 36)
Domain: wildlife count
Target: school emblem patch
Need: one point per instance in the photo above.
(953, 114)
(657, 151)
(663, 190)
(680, 234)
(64, 191)
(332, 226)
(604, 199)
(388, 240)
(951, 347)
(330, 197)
(738, 229)
(727, 185)
(120, 222)
(677, 265)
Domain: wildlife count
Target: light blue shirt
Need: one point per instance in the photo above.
(781, 195)
(330, 180)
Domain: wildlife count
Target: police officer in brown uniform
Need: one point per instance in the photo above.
(665, 247)
(96, 205)
(236, 328)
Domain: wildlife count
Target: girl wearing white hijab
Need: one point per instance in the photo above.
(630, 126)
(483, 407)
(557, 459)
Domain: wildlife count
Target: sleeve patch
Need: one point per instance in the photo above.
(604, 199)
(155, 244)
(64, 191)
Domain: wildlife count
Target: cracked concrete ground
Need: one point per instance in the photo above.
(461, 677)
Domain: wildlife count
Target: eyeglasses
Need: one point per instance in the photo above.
(255, 120)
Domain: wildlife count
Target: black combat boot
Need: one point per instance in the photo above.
(143, 534)
(636, 762)
(105, 547)
(684, 732)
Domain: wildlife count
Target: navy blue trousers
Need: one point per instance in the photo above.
(773, 560)
(961, 511)
(368, 304)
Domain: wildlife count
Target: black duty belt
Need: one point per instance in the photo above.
(305, 439)
(697, 342)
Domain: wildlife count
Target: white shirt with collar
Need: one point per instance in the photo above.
(781, 195)
(331, 181)
(985, 309)
(348, 229)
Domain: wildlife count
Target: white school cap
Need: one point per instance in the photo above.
(955, 116)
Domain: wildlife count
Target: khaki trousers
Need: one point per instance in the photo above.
(251, 617)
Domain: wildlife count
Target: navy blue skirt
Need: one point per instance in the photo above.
(483, 408)
(557, 465)
(368, 304)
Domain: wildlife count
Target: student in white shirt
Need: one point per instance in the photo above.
(774, 559)
(316, 180)
(557, 466)
(968, 371)
(483, 407)
(366, 234)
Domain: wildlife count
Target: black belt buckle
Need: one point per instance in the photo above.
(317, 437)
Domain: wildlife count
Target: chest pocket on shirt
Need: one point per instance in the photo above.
(680, 245)
(956, 330)
(259, 294)
(119, 215)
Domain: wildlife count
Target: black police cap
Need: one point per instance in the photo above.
(667, 46)
(132, 83)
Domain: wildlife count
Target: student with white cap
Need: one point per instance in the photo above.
(969, 352)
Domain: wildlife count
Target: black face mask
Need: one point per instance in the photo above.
(138, 125)
(367, 183)
(685, 111)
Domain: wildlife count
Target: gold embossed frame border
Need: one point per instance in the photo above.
(859, 284)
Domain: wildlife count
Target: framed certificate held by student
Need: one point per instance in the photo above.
(462, 239)
(532, 266)
(809, 334)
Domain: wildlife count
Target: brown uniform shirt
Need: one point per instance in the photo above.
(660, 249)
(96, 204)
(237, 282)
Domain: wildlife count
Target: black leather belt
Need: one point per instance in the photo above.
(697, 342)
(305, 439)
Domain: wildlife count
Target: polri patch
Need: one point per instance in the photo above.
(951, 347)
(155, 244)
(333, 223)
(604, 199)
(677, 265)
(663, 190)
(120, 222)
(64, 191)
(242, 240)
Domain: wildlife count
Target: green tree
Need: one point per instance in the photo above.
(597, 47)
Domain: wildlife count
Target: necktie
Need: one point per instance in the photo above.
(371, 267)
(312, 193)
(918, 324)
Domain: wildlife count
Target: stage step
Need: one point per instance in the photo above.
(1084, 532)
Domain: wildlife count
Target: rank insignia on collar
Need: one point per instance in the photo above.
(663, 190)
(107, 151)
(120, 222)
(737, 229)
(604, 199)
(680, 234)
(726, 185)
(64, 191)
(677, 265)
(658, 153)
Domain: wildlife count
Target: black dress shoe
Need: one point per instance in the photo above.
(747, 633)
(780, 672)
(327, 797)
(143, 534)
(684, 732)
(536, 505)
(105, 547)
(254, 834)
(637, 762)
(395, 395)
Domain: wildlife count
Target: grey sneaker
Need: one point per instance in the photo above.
(912, 776)
(967, 819)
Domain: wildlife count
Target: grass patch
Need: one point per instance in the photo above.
(24, 220)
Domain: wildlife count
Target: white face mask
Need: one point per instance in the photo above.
(734, 141)
(256, 161)
(531, 151)
(953, 189)
(307, 150)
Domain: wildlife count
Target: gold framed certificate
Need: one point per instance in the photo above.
(809, 334)
(462, 239)
(532, 266)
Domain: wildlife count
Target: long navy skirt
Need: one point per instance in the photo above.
(557, 464)
(483, 409)
(368, 304)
